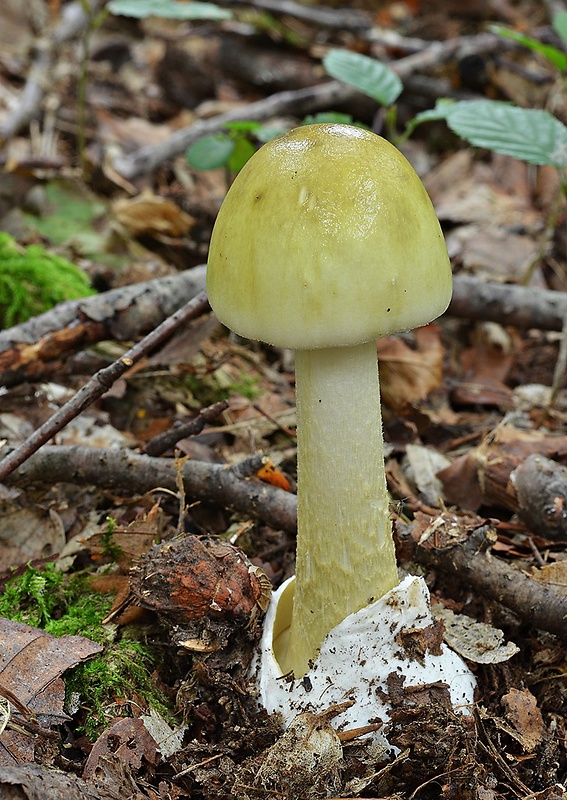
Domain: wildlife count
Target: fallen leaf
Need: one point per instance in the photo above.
(525, 718)
(31, 664)
(126, 739)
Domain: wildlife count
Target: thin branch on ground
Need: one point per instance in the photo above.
(181, 430)
(73, 22)
(101, 383)
(120, 470)
(298, 102)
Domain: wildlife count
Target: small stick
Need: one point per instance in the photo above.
(101, 383)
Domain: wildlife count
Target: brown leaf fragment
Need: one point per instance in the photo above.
(151, 214)
(31, 665)
(32, 782)
(129, 740)
(525, 718)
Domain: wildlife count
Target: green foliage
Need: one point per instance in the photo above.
(527, 134)
(557, 57)
(60, 605)
(230, 149)
(33, 280)
(124, 671)
(64, 605)
(333, 118)
(369, 76)
(170, 9)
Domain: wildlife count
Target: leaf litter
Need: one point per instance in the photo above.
(455, 393)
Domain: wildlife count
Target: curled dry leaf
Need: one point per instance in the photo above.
(150, 214)
(475, 641)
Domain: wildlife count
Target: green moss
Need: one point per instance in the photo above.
(64, 604)
(33, 281)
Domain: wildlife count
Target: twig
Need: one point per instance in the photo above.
(339, 18)
(74, 20)
(530, 600)
(166, 440)
(100, 383)
(121, 470)
(298, 102)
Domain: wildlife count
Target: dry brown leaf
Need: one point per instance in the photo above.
(525, 718)
(408, 375)
(151, 214)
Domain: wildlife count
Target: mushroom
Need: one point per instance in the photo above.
(326, 241)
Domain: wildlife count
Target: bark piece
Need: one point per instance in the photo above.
(541, 489)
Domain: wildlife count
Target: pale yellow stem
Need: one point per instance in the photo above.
(345, 551)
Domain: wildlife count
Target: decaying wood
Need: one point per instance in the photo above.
(123, 471)
(532, 601)
(34, 349)
(127, 472)
(101, 383)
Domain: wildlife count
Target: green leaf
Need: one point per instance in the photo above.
(560, 25)
(243, 150)
(245, 125)
(171, 9)
(441, 111)
(527, 134)
(557, 57)
(210, 152)
(366, 74)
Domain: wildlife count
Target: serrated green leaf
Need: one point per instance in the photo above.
(369, 76)
(170, 9)
(210, 152)
(530, 135)
(557, 57)
(560, 25)
(441, 111)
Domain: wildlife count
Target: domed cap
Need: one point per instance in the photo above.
(327, 238)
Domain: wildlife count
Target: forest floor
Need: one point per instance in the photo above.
(176, 465)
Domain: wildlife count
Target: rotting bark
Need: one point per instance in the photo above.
(541, 489)
(123, 471)
(34, 349)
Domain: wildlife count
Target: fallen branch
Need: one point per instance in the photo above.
(101, 383)
(31, 350)
(124, 471)
(298, 102)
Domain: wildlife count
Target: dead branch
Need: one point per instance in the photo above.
(31, 350)
(520, 306)
(181, 430)
(74, 21)
(101, 383)
(119, 470)
(298, 102)
(333, 18)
